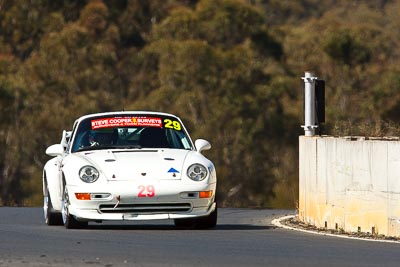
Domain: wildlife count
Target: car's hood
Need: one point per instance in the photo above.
(140, 163)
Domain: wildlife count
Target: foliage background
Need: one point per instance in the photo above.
(229, 68)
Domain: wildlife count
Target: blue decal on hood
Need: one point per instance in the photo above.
(173, 170)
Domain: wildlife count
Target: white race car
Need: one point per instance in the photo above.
(129, 166)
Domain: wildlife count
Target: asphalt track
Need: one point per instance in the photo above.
(243, 237)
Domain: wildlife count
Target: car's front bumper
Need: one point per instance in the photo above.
(121, 203)
(95, 215)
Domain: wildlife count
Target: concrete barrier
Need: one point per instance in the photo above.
(350, 184)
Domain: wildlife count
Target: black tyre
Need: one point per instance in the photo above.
(185, 223)
(209, 221)
(206, 222)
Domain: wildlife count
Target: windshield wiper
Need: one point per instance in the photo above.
(87, 148)
(130, 146)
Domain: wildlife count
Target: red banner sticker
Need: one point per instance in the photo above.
(126, 122)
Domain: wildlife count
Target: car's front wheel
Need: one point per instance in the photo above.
(51, 217)
(69, 220)
(209, 221)
(206, 222)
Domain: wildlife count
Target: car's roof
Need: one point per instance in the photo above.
(126, 113)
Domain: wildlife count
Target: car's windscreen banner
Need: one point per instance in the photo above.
(136, 122)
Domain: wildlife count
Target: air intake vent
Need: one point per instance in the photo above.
(146, 208)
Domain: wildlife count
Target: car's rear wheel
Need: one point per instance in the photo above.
(51, 217)
(69, 220)
(206, 222)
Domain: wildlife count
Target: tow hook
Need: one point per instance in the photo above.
(118, 200)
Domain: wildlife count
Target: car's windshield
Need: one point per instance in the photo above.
(124, 132)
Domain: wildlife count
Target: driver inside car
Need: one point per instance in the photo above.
(101, 138)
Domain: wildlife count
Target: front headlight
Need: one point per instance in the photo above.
(89, 174)
(197, 172)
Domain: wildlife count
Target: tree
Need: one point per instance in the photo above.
(9, 125)
(220, 85)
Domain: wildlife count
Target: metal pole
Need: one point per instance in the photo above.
(309, 104)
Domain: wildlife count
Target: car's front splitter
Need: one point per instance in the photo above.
(95, 215)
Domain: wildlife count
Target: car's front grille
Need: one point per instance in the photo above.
(145, 208)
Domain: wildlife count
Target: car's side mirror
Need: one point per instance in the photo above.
(202, 144)
(55, 150)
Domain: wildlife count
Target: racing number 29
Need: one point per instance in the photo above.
(172, 124)
(146, 191)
